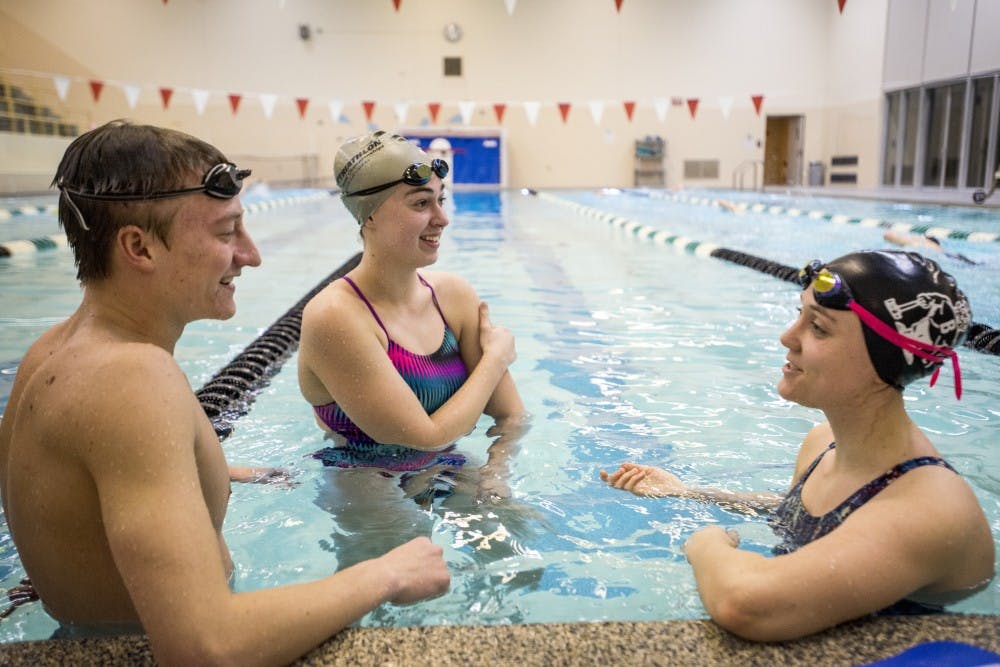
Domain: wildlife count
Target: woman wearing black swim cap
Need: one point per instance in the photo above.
(875, 520)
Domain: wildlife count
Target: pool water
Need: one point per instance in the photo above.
(627, 350)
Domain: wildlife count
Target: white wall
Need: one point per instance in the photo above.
(804, 56)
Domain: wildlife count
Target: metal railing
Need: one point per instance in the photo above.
(739, 173)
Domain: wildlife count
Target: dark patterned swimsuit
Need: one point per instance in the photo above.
(796, 527)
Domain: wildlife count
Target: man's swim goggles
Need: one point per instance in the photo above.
(418, 173)
(223, 181)
(832, 291)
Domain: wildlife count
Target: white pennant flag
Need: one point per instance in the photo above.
(661, 105)
(531, 111)
(62, 86)
(597, 110)
(200, 100)
(726, 106)
(510, 6)
(401, 108)
(267, 101)
(465, 108)
(131, 94)
(336, 108)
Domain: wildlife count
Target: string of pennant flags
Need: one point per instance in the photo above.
(401, 109)
(511, 5)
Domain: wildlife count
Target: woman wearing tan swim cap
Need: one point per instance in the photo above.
(397, 361)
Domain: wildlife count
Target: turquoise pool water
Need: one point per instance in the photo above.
(627, 350)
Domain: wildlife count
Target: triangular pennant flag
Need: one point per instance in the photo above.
(498, 109)
(531, 111)
(302, 103)
(840, 5)
(234, 102)
(165, 95)
(369, 107)
(95, 89)
(401, 108)
(564, 110)
(336, 108)
(629, 109)
(62, 86)
(726, 106)
(618, 5)
(200, 98)
(131, 94)
(267, 101)
(396, 3)
(661, 105)
(510, 6)
(434, 108)
(466, 108)
(596, 110)
(757, 100)
(693, 105)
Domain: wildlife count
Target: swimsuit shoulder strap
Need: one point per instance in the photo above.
(812, 466)
(877, 485)
(434, 299)
(368, 303)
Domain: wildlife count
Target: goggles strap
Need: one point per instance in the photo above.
(915, 347)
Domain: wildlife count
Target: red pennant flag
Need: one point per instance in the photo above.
(564, 110)
(434, 108)
(234, 101)
(498, 109)
(302, 103)
(840, 5)
(95, 89)
(165, 95)
(629, 108)
(757, 101)
(693, 106)
(369, 108)
(395, 3)
(618, 5)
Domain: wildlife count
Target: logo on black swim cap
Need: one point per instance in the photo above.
(911, 294)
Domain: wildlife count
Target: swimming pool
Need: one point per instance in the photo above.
(627, 350)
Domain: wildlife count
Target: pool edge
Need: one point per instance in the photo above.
(598, 643)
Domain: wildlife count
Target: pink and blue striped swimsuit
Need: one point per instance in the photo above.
(434, 378)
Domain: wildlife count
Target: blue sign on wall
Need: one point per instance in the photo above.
(476, 159)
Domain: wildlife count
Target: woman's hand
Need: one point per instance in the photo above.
(495, 340)
(646, 481)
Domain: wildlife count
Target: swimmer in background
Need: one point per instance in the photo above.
(875, 520)
(114, 484)
(730, 207)
(922, 242)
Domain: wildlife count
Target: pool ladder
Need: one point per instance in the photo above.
(740, 173)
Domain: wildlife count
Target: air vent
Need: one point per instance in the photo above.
(452, 66)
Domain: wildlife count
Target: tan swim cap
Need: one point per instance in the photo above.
(371, 160)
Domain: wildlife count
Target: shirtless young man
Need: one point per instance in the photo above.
(114, 483)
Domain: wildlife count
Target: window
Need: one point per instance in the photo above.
(943, 136)
(979, 133)
(891, 167)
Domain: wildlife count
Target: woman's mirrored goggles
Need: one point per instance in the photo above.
(418, 173)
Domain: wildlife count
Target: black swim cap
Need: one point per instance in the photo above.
(912, 295)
